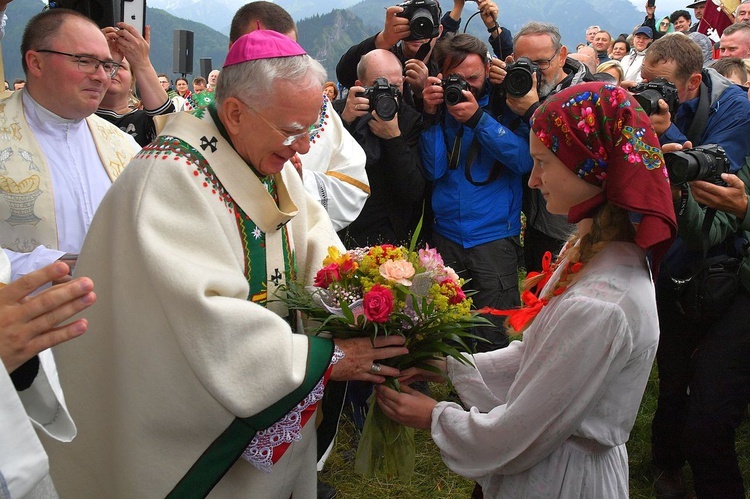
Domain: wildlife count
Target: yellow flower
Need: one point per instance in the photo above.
(334, 256)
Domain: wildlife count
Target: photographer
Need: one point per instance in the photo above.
(414, 50)
(541, 44)
(388, 130)
(477, 162)
(415, 54)
(703, 345)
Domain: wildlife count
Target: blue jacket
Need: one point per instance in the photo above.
(467, 214)
(728, 121)
(728, 125)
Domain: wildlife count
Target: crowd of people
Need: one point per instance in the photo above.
(615, 175)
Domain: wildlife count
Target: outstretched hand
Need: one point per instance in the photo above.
(30, 324)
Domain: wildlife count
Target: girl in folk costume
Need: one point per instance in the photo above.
(549, 416)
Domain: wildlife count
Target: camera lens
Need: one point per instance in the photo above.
(386, 107)
(421, 24)
(693, 164)
(518, 82)
(453, 95)
(649, 101)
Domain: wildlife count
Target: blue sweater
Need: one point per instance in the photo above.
(472, 215)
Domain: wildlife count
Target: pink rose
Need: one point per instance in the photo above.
(399, 271)
(378, 304)
(327, 276)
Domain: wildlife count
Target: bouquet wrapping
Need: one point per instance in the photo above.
(385, 290)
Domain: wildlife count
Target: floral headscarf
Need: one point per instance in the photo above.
(602, 135)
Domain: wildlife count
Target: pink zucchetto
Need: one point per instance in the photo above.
(262, 44)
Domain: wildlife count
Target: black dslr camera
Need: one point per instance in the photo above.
(518, 77)
(383, 98)
(648, 95)
(424, 18)
(453, 88)
(699, 163)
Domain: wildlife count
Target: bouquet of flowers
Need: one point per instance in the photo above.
(384, 290)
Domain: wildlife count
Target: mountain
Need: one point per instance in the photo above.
(326, 30)
(327, 37)
(616, 14)
(207, 42)
(218, 13)
(572, 17)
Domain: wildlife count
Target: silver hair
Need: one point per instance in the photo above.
(738, 7)
(539, 28)
(253, 82)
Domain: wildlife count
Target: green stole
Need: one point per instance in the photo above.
(263, 209)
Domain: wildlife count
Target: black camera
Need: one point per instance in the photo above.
(383, 98)
(648, 95)
(453, 88)
(699, 163)
(424, 18)
(518, 77)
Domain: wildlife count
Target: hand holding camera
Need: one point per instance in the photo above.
(730, 198)
(706, 169)
(520, 84)
(396, 28)
(423, 17)
(357, 104)
(659, 100)
(432, 94)
(707, 163)
(381, 97)
(459, 100)
(497, 71)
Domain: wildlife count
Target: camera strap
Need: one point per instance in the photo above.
(695, 132)
(423, 50)
(497, 167)
(455, 153)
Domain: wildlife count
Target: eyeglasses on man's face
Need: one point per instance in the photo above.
(289, 139)
(88, 64)
(544, 64)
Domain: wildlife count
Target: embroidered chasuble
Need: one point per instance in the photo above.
(27, 210)
(189, 247)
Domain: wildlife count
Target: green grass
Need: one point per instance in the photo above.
(431, 477)
(433, 480)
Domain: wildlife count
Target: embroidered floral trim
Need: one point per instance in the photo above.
(322, 120)
(165, 147)
(286, 430)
